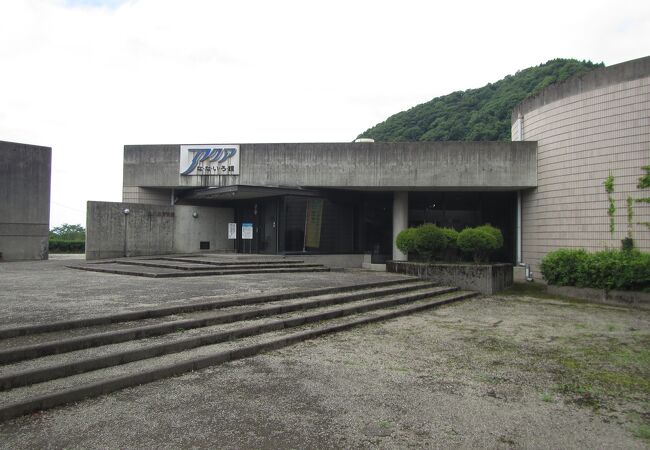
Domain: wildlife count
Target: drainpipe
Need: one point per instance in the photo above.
(518, 232)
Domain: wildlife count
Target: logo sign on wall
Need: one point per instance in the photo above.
(209, 160)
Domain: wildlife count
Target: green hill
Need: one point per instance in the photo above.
(481, 114)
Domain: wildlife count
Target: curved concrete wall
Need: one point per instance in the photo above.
(586, 128)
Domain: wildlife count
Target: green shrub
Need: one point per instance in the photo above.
(494, 232)
(451, 252)
(562, 267)
(478, 242)
(615, 269)
(452, 237)
(609, 269)
(430, 240)
(67, 246)
(406, 240)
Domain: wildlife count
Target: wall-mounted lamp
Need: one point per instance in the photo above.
(195, 214)
(126, 211)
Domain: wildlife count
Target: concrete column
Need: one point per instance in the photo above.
(400, 220)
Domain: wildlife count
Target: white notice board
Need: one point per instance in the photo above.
(232, 231)
(247, 231)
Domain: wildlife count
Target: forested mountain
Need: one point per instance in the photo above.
(481, 114)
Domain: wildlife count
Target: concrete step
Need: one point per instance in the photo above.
(24, 330)
(65, 365)
(22, 348)
(159, 272)
(239, 340)
(197, 260)
(190, 265)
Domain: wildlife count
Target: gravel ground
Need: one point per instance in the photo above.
(491, 372)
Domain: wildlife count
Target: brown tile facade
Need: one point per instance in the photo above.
(581, 139)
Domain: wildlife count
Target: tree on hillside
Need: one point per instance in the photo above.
(475, 114)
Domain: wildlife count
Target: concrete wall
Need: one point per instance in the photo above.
(153, 229)
(146, 230)
(24, 201)
(586, 128)
(211, 224)
(150, 196)
(380, 166)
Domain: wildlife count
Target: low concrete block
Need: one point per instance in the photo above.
(634, 299)
(484, 278)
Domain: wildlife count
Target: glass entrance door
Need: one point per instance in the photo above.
(262, 215)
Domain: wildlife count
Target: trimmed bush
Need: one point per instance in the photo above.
(562, 267)
(452, 237)
(494, 232)
(609, 269)
(451, 252)
(478, 242)
(430, 240)
(67, 246)
(406, 240)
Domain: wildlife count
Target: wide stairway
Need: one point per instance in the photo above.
(198, 266)
(50, 364)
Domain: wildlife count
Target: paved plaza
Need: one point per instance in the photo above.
(480, 373)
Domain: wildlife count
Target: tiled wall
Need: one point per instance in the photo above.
(581, 139)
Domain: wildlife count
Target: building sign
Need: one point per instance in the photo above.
(247, 231)
(209, 160)
(232, 231)
(313, 222)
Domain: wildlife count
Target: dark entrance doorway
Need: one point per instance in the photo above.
(263, 215)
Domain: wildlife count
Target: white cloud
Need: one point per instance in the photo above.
(87, 80)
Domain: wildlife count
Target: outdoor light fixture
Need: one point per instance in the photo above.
(195, 214)
(126, 211)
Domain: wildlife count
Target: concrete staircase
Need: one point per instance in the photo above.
(50, 364)
(192, 266)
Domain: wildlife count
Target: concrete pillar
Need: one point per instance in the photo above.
(400, 220)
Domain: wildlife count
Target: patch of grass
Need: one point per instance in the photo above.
(596, 368)
(546, 397)
(611, 327)
(581, 394)
(385, 424)
(642, 431)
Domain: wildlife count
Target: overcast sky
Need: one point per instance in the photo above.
(86, 77)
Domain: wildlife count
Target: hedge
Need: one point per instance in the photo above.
(67, 246)
(608, 269)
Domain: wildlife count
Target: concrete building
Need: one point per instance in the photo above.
(586, 128)
(336, 198)
(544, 190)
(24, 201)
